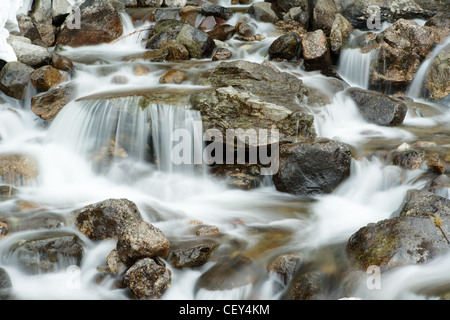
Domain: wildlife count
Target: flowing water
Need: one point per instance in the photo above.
(121, 148)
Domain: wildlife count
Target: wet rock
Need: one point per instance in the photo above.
(211, 9)
(61, 63)
(4, 229)
(5, 284)
(140, 240)
(229, 273)
(424, 203)
(175, 51)
(47, 252)
(14, 79)
(249, 113)
(437, 81)
(307, 286)
(399, 241)
(148, 279)
(33, 220)
(222, 32)
(18, 169)
(244, 28)
(409, 159)
(189, 15)
(262, 11)
(115, 266)
(30, 54)
(210, 22)
(400, 50)
(118, 79)
(340, 33)
(236, 176)
(47, 77)
(286, 266)
(222, 54)
(299, 15)
(188, 254)
(263, 80)
(287, 5)
(316, 51)
(323, 15)
(199, 44)
(48, 104)
(207, 231)
(440, 20)
(106, 219)
(100, 21)
(157, 55)
(313, 166)
(377, 107)
(174, 76)
(286, 47)
(440, 186)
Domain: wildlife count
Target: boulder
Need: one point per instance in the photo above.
(47, 252)
(47, 105)
(106, 219)
(222, 32)
(437, 79)
(401, 49)
(28, 28)
(14, 79)
(340, 33)
(377, 107)
(212, 9)
(424, 203)
(18, 169)
(399, 241)
(42, 15)
(138, 240)
(30, 54)
(199, 44)
(286, 47)
(262, 11)
(316, 51)
(100, 21)
(148, 279)
(314, 166)
(47, 77)
(324, 13)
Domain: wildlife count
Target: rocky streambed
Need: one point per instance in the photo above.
(241, 150)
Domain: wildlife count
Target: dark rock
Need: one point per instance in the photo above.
(286, 5)
(323, 15)
(307, 286)
(140, 240)
(100, 23)
(47, 105)
(424, 203)
(262, 11)
(147, 279)
(188, 254)
(440, 20)
(14, 79)
(5, 284)
(222, 32)
(312, 167)
(199, 44)
(377, 107)
(61, 63)
(106, 219)
(286, 47)
(243, 177)
(211, 9)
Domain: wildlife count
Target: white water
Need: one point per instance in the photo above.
(70, 178)
(355, 67)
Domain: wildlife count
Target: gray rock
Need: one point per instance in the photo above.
(211, 9)
(313, 166)
(30, 54)
(199, 44)
(340, 33)
(106, 219)
(262, 11)
(191, 253)
(424, 203)
(323, 15)
(377, 107)
(14, 79)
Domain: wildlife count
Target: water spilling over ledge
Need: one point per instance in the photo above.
(360, 142)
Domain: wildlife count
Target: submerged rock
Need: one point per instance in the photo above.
(313, 166)
(18, 169)
(188, 254)
(377, 107)
(106, 219)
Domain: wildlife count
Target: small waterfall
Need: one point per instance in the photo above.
(354, 67)
(110, 131)
(417, 87)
